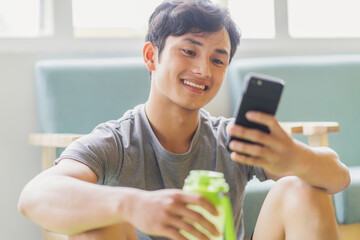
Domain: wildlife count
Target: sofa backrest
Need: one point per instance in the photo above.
(74, 95)
(318, 88)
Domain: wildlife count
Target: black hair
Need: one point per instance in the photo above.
(178, 17)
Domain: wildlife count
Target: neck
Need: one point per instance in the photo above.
(173, 126)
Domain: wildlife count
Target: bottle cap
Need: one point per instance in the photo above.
(209, 180)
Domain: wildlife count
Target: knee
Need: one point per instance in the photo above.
(295, 186)
(295, 194)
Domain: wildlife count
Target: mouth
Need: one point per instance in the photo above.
(194, 85)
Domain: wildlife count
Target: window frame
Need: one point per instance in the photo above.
(63, 40)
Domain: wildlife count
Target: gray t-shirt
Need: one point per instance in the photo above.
(127, 153)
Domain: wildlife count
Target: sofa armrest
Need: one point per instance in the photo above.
(310, 128)
(52, 139)
(315, 131)
(306, 128)
(49, 142)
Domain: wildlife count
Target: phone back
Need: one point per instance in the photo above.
(259, 93)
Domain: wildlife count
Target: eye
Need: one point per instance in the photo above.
(188, 52)
(217, 61)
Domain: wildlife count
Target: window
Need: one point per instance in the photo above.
(256, 18)
(22, 18)
(111, 18)
(114, 18)
(128, 19)
(324, 18)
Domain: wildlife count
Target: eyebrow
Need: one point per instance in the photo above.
(218, 50)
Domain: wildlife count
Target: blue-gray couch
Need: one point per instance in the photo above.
(73, 96)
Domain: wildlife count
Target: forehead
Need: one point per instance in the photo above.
(218, 39)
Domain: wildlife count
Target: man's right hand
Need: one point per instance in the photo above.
(162, 213)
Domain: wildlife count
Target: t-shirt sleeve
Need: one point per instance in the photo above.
(100, 151)
(260, 174)
(256, 171)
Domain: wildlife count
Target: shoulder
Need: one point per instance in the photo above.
(111, 134)
(129, 120)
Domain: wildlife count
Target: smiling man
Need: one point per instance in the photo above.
(123, 180)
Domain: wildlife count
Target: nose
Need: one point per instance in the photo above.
(202, 68)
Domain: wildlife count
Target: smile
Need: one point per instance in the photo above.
(202, 87)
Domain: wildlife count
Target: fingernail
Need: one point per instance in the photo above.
(231, 145)
(249, 114)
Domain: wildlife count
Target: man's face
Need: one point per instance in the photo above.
(191, 69)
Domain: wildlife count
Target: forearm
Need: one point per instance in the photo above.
(67, 205)
(322, 168)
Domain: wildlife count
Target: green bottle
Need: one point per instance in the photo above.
(212, 186)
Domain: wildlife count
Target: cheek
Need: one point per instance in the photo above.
(219, 76)
(218, 86)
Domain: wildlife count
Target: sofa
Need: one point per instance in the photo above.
(318, 88)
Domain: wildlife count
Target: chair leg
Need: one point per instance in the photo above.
(48, 156)
(318, 140)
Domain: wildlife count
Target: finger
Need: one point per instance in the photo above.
(194, 216)
(253, 150)
(182, 209)
(250, 134)
(248, 160)
(188, 226)
(173, 233)
(265, 119)
(197, 199)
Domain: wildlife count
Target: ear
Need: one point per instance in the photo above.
(148, 55)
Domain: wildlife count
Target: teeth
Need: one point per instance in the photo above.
(194, 84)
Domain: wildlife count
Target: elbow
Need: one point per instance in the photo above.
(343, 176)
(21, 206)
(28, 200)
(347, 178)
(24, 203)
(344, 181)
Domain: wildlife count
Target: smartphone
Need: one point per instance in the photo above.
(259, 93)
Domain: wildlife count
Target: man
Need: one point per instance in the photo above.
(140, 161)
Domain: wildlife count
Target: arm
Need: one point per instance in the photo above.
(280, 155)
(45, 199)
(65, 199)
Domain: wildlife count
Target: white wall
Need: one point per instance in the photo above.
(19, 161)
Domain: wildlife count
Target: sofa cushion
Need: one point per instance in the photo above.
(68, 92)
(255, 194)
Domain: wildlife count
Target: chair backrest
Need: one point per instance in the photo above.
(318, 88)
(74, 95)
